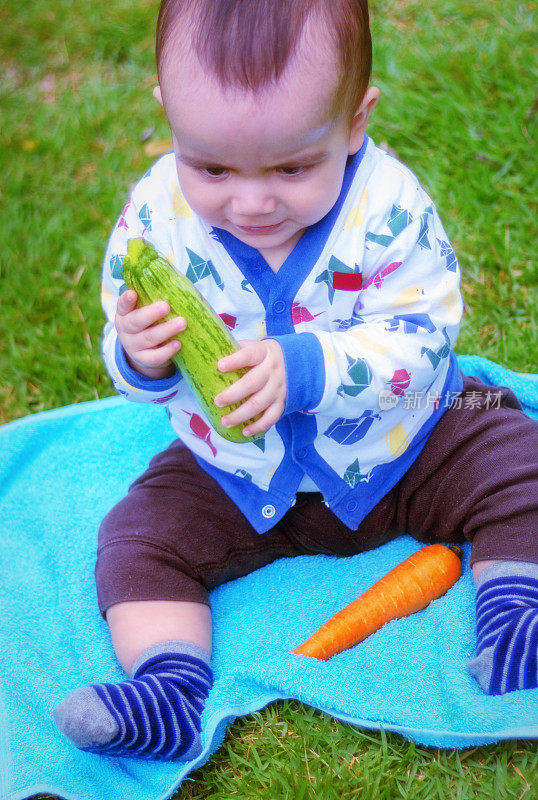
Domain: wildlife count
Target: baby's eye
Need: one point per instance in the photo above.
(292, 170)
(214, 172)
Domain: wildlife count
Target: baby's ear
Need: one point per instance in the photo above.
(360, 120)
(157, 94)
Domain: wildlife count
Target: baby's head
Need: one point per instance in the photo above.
(266, 100)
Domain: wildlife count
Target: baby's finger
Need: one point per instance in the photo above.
(141, 318)
(243, 387)
(157, 356)
(266, 421)
(249, 355)
(157, 334)
(256, 404)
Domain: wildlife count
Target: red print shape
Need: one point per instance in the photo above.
(347, 281)
(300, 313)
(201, 430)
(228, 320)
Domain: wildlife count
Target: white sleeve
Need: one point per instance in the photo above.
(406, 318)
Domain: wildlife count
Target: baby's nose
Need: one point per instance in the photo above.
(252, 200)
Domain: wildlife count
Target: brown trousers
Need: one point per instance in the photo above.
(176, 535)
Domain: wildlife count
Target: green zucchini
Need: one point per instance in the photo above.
(206, 338)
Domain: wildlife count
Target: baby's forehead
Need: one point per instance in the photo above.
(305, 90)
(290, 114)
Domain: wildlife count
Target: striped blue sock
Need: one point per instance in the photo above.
(155, 715)
(507, 628)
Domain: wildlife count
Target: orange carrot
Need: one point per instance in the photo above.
(409, 587)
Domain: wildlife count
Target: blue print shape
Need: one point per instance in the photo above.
(346, 324)
(350, 431)
(361, 375)
(353, 474)
(398, 219)
(198, 269)
(411, 323)
(116, 266)
(448, 253)
(436, 356)
(423, 241)
(144, 216)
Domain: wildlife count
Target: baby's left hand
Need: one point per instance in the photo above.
(264, 385)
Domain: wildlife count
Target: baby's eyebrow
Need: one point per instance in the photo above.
(296, 160)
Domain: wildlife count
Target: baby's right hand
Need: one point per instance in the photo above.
(148, 346)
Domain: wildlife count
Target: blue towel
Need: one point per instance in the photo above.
(60, 472)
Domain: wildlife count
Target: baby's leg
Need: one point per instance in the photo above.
(506, 626)
(165, 646)
(162, 548)
(477, 479)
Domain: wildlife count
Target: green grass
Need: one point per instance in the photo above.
(458, 106)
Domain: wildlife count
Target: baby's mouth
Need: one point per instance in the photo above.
(259, 229)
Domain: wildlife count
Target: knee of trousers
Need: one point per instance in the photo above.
(133, 566)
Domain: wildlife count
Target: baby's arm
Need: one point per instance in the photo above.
(405, 322)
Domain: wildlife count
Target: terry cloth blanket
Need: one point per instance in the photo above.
(60, 472)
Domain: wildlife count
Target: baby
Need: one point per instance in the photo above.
(329, 262)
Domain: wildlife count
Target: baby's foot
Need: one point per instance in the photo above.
(507, 627)
(155, 715)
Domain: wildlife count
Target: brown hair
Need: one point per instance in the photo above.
(248, 43)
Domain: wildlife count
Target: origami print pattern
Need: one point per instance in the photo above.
(201, 430)
(180, 208)
(198, 269)
(346, 324)
(123, 221)
(377, 280)
(164, 400)
(397, 440)
(229, 320)
(435, 356)
(350, 431)
(361, 375)
(356, 215)
(400, 382)
(449, 254)
(353, 474)
(338, 268)
(423, 241)
(144, 215)
(300, 313)
(411, 323)
(399, 219)
(242, 473)
(116, 266)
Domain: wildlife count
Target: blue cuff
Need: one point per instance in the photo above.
(305, 370)
(139, 381)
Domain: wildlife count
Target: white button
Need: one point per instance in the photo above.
(268, 511)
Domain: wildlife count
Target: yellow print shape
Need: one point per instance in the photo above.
(397, 440)
(375, 347)
(356, 215)
(180, 208)
(408, 297)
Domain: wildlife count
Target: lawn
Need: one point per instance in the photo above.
(79, 126)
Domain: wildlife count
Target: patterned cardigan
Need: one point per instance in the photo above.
(366, 308)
